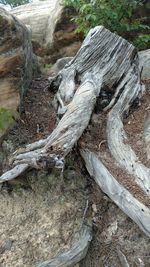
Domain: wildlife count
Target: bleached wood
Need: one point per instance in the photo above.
(31, 147)
(136, 210)
(64, 136)
(95, 66)
(73, 255)
(116, 136)
(13, 173)
(104, 61)
(70, 127)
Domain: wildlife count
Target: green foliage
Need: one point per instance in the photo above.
(48, 66)
(6, 118)
(142, 40)
(116, 15)
(14, 3)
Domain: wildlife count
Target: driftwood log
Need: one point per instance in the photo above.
(105, 62)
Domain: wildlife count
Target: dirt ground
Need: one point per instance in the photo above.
(40, 212)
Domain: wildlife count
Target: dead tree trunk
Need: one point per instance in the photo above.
(95, 66)
(105, 61)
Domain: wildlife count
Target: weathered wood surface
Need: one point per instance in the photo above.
(104, 62)
(116, 136)
(136, 210)
(75, 254)
(94, 67)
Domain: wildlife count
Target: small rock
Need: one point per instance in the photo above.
(96, 119)
(8, 146)
(8, 244)
(60, 63)
(144, 57)
(139, 143)
(94, 208)
(71, 175)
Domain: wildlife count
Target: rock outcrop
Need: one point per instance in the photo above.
(53, 33)
(15, 60)
(42, 17)
(144, 57)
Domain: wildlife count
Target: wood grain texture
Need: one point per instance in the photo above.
(116, 136)
(138, 212)
(73, 255)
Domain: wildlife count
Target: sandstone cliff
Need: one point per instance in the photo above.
(53, 31)
(15, 60)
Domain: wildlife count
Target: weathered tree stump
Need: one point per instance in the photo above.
(104, 62)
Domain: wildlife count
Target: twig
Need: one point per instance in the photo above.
(122, 258)
(102, 142)
(84, 214)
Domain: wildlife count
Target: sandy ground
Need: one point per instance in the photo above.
(40, 212)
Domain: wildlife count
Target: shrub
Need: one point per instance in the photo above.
(6, 118)
(14, 3)
(116, 15)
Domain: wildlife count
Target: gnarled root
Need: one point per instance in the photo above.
(104, 62)
(95, 66)
(75, 254)
(136, 210)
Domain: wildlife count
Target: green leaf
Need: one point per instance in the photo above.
(117, 15)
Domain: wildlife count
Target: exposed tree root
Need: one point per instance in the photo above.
(13, 173)
(104, 62)
(95, 66)
(138, 212)
(75, 254)
(117, 140)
